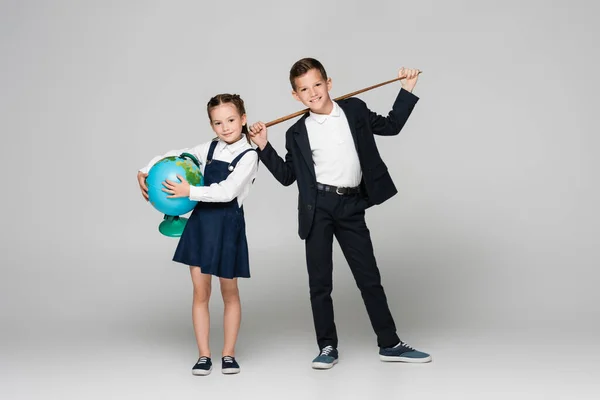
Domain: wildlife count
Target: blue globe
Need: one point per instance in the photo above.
(185, 165)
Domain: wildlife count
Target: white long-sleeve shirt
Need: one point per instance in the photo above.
(238, 182)
(333, 150)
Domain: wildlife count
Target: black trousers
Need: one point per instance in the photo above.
(344, 217)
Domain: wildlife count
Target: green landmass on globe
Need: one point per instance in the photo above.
(192, 173)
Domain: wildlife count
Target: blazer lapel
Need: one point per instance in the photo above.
(301, 136)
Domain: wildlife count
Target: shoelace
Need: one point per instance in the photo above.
(406, 345)
(326, 350)
(228, 359)
(202, 360)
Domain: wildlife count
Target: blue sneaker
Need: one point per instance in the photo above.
(404, 353)
(327, 359)
(229, 365)
(203, 366)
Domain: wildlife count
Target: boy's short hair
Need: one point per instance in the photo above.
(301, 67)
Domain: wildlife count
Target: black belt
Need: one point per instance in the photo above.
(338, 190)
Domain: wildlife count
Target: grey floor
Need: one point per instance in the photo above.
(152, 359)
(120, 328)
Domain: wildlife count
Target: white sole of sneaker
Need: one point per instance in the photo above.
(230, 371)
(405, 359)
(318, 365)
(200, 372)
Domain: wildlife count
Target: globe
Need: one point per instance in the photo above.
(188, 167)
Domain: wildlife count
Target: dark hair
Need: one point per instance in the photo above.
(225, 98)
(301, 67)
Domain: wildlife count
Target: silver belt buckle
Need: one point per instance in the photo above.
(337, 190)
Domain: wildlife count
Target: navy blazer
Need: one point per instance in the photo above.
(298, 166)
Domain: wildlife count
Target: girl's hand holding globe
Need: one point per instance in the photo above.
(177, 189)
(141, 177)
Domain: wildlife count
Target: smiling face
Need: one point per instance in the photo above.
(313, 91)
(226, 121)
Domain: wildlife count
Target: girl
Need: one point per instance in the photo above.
(214, 239)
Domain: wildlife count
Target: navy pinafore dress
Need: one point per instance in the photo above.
(214, 237)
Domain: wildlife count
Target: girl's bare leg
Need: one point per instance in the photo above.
(200, 313)
(232, 316)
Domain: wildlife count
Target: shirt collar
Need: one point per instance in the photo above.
(320, 118)
(233, 147)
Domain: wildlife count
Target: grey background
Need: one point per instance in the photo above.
(488, 254)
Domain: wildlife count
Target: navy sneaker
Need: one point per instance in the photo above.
(327, 359)
(203, 366)
(229, 365)
(404, 353)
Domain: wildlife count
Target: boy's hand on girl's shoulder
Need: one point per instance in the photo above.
(141, 177)
(258, 134)
(411, 76)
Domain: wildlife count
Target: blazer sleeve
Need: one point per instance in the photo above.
(282, 170)
(392, 124)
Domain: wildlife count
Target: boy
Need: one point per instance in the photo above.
(332, 154)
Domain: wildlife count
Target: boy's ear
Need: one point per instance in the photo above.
(296, 95)
(328, 84)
